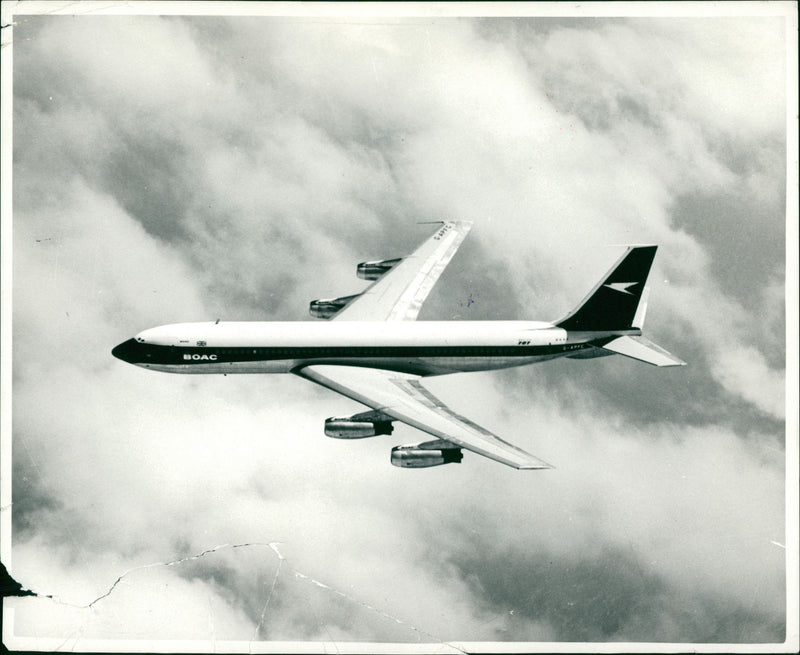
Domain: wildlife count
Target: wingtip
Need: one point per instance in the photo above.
(631, 246)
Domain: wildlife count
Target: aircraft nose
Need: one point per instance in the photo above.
(127, 351)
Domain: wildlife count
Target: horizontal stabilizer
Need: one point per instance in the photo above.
(644, 350)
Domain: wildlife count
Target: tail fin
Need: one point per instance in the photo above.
(613, 303)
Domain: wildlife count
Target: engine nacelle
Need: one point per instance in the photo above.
(374, 270)
(424, 455)
(327, 307)
(358, 426)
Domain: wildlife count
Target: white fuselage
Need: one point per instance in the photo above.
(421, 347)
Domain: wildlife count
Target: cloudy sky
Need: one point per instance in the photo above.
(171, 169)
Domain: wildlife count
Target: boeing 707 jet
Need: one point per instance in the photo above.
(372, 349)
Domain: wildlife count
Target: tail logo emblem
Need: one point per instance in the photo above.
(622, 287)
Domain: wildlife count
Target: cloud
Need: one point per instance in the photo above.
(203, 168)
(746, 371)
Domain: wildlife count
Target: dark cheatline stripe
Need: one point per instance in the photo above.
(174, 355)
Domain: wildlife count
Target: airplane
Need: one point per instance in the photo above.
(371, 348)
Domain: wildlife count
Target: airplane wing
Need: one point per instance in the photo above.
(398, 294)
(402, 397)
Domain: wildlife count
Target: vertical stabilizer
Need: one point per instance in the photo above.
(614, 303)
(641, 310)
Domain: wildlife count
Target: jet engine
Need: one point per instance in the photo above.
(325, 308)
(423, 455)
(358, 426)
(374, 270)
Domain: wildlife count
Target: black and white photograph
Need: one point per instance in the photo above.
(399, 327)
